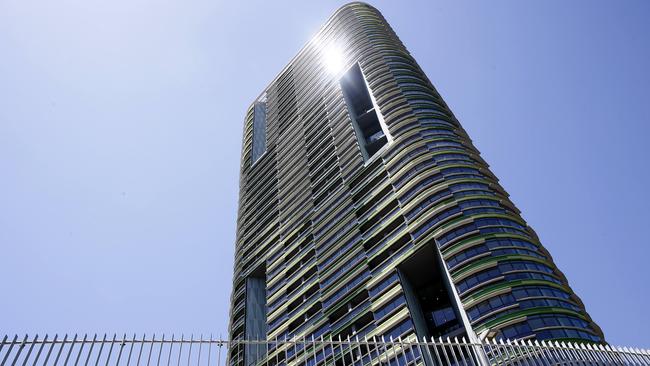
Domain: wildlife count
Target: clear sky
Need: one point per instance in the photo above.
(120, 135)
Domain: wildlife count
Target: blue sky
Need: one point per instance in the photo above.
(120, 134)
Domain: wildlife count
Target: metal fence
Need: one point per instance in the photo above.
(182, 351)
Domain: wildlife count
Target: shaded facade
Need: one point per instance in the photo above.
(365, 210)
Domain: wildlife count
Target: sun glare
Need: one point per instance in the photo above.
(333, 59)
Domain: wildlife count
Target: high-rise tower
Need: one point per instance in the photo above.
(365, 210)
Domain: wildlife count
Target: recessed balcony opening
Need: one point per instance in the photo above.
(259, 130)
(372, 135)
(256, 309)
(428, 297)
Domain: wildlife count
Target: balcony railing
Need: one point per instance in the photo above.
(172, 350)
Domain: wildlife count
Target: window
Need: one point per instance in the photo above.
(256, 310)
(259, 130)
(371, 133)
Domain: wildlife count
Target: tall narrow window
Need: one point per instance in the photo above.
(372, 134)
(255, 315)
(259, 130)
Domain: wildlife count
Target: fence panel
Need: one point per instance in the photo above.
(162, 350)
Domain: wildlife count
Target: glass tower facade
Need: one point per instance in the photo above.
(365, 210)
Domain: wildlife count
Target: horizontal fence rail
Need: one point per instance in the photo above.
(85, 350)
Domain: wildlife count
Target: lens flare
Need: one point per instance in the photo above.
(333, 59)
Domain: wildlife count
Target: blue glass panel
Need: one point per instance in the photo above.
(259, 131)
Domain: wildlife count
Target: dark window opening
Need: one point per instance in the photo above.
(355, 328)
(428, 297)
(259, 131)
(364, 116)
(343, 310)
(256, 309)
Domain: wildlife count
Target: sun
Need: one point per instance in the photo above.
(333, 59)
